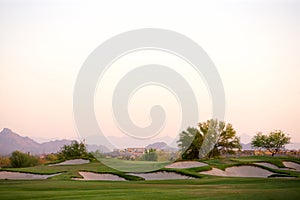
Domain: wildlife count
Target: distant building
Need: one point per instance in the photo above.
(135, 151)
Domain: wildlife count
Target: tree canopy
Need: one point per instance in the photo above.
(273, 142)
(74, 150)
(189, 143)
(211, 139)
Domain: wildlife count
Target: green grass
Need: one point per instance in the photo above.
(204, 188)
(71, 171)
(250, 160)
(133, 166)
(273, 160)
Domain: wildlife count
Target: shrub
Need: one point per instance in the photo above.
(51, 157)
(74, 150)
(19, 159)
(4, 162)
(150, 155)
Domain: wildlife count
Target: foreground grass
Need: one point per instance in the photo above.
(204, 188)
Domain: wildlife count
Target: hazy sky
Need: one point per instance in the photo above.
(254, 45)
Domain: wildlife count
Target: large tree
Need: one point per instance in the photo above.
(212, 139)
(189, 143)
(273, 142)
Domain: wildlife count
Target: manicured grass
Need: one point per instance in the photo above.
(250, 160)
(71, 171)
(277, 160)
(204, 188)
(228, 162)
(133, 166)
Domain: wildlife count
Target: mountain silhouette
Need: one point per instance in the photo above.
(10, 142)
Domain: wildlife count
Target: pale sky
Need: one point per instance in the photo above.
(255, 47)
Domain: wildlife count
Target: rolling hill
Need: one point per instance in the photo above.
(10, 141)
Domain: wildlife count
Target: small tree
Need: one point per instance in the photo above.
(273, 142)
(74, 150)
(19, 159)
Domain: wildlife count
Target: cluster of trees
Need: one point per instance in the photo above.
(210, 139)
(213, 138)
(74, 150)
(150, 155)
(19, 159)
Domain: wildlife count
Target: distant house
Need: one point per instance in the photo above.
(131, 153)
(135, 151)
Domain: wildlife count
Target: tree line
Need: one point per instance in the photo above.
(213, 138)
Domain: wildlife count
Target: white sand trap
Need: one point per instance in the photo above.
(240, 171)
(96, 176)
(186, 164)
(292, 165)
(72, 162)
(270, 165)
(25, 176)
(161, 176)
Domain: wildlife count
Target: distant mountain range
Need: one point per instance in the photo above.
(10, 141)
(161, 146)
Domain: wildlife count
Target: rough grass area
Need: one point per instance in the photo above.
(205, 188)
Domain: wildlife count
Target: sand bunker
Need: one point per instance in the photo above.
(96, 176)
(186, 164)
(240, 171)
(292, 165)
(25, 176)
(72, 162)
(269, 165)
(161, 176)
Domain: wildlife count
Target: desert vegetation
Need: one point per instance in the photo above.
(273, 142)
(211, 139)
